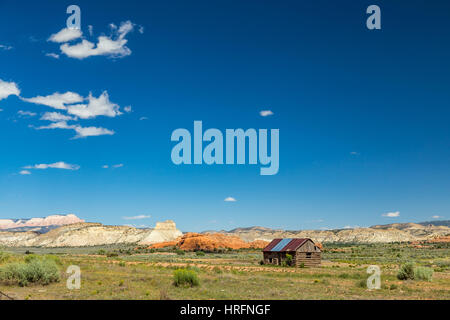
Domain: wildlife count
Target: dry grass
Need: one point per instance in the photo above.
(228, 276)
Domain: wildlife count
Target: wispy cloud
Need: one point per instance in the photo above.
(354, 153)
(113, 46)
(139, 217)
(52, 55)
(81, 132)
(24, 172)
(120, 165)
(56, 100)
(230, 199)
(143, 118)
(437, 217)
(26, 113)
(5, 47)
(56, 165)
(391, 214)
(266, 113)
(75, 104)
(65, 35)
(56, 117)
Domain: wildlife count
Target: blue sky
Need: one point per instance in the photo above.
(363, 115)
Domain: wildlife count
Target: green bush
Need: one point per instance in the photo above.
(112, 254)
(423, 273)
(180, 252)
(4, 257)
(289, 259)
(200, 253)
(406, 271)
(41, 271)
(185, 277)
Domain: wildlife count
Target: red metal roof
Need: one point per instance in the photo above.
(271, 245)
(292, 245)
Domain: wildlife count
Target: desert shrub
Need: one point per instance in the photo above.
(185, 277)
(101, 252)
(344, 276)
(180, 252)
(302, 265)
(53, 258)
(362, 283)
(122, 264)
(393, 286)
(112, 254)
(406, 271)
(423, 273)
(4, 257)
(200, 253)
(289, 259)
(261, 262)
(217, 270)
(41, 271)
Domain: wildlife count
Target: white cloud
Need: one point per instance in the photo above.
(56, 117)
(392, 214)
(105, 166)
(436, 217)
(230, 199)
(8, 89)
(354, 153)
(139, 217)
(113, 46)
(266, 113)
(5, 47)
(65, 35)
(100, 106)
(143, 118)
(82, 132)
(127, 109)
(24, 172)
(141, 29)
(91, 30)
(26, 113)
(120, 165)
(57, 100)
(52, 55)
(56, 165)
(73, 103)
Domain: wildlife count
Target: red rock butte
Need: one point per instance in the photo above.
(209, 242)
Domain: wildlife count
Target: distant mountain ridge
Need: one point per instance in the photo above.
(40, 225)
(90, 234)
(396, 232)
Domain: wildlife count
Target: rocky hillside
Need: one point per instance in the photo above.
(209, 242)
(381, 233)
(91, 234)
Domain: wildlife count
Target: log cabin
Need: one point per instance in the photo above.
(303, 251)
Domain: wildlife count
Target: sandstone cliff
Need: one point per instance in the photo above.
(91, 234)
(384, 233)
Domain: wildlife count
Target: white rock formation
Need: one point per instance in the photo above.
(91, 234)
(54, 220)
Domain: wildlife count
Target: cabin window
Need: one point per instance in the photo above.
(308, 255)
